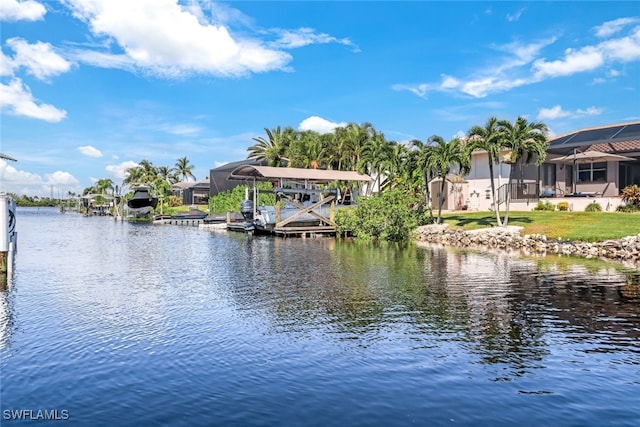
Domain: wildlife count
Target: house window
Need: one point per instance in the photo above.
(592, 172)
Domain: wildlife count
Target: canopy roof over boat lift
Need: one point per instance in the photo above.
(270, 173)
(291, 224)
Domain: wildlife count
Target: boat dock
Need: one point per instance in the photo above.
(306, 200)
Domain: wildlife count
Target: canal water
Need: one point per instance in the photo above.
(111, 323)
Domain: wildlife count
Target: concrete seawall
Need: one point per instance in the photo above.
(625, 250)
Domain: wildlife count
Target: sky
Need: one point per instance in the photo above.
(89, 88)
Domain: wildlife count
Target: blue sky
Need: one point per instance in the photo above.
(89, 88)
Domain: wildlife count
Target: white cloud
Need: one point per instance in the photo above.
(61, 178)
(505, 75)
(164, 38)
(574, 61)
(119, 171)
(6, 65)
(512, 17)
(17, 99)
(181, 129)
(21, 182)
(10, 175)
(523, 64)
(290, 39)
(320, 125)
(38, 58)
(421, 89)
(90, 151)
(460, 135)
(588, 58)
(610, 28)
(28, 10)
(556, 112)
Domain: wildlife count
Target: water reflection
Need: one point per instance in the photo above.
(505, 309)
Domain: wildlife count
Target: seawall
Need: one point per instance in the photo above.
(625, 250)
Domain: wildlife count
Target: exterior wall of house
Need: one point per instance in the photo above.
(478, 192)
(608, 188)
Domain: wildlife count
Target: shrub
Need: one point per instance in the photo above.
(593, 207)
(631, 195)
(175, 201)
(230, 200)
(544, 206)
(628, 208)
(391, 216)
(563, 206)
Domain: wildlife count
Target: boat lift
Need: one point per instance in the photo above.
(307, 209)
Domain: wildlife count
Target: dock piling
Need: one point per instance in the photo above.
(8, 235)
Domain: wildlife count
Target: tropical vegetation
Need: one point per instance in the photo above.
(408, 167)
(159, 179)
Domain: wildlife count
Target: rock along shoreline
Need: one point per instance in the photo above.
(625, 250)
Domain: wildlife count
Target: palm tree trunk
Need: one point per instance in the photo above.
(427, 192)
(508, 201)
(496, 204)
(441, 201)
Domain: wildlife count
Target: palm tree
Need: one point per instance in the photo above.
(376, 157)
(184, 169)
(488, 138)
(104, 184)
(134, 176)
(398, 168)
(526, 140)
(425, 168)
(272, 149)
(168, 174)
(305, 150)
(340, 150)
(443, 157)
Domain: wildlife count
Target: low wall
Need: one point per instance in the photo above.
(626, 250)
(577, 204)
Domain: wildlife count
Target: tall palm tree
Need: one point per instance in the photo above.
(341, 149)
(184, 169)
(135, 176)
(329, 150)
(357, 136)
(426, 169)
(375, 157)
(104, 184)
(526, 140)
(488, 138)
(305, 150)
(398, 168)
(168, 174)
(272, 149)
(443, 157)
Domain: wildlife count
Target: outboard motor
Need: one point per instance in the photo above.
(246, 209)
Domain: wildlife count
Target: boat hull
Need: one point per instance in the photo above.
(142, 203)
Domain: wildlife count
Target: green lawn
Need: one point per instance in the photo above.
(584, 226)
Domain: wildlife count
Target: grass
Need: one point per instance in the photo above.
(583, 226)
